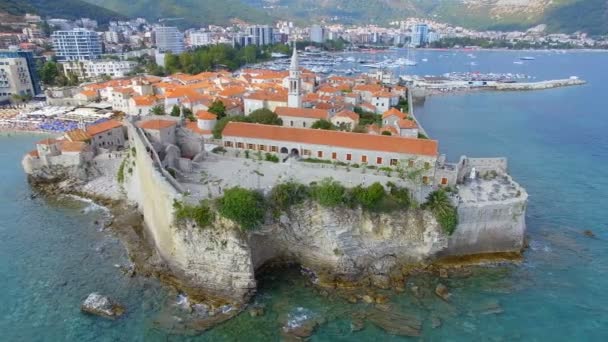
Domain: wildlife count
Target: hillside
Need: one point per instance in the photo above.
(193, 12)
(560, 15)
(69, 9)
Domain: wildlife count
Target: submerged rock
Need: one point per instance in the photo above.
(589, 233)
(99, 305)
(435, 322)
(301, 323)
(442, 292)
(256, 311)
(396, 323)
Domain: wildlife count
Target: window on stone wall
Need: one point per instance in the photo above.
(410, 163)
(364, 159)
(274, 148)
(262, 147)
(444, 181)
(306, 152)
(394, 162)
(334, 155)
(251, 146)
(304, 124)
(425, 180)
(378, 160)
(240, 145)
(349, 156)
(291, 123)
(319, 154)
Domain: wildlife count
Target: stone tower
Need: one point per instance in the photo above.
(294, 99)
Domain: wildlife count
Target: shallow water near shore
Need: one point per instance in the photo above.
(53, 254)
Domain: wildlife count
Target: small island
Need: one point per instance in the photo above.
(339, 179)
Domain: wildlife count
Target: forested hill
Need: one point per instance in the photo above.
(68, 9)
(193, 13)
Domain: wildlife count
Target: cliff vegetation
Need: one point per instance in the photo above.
(248, 208)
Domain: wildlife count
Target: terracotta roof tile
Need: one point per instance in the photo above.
(192, 126)
(102, 127)
(77, 135)
(394, 111)
(156, 124)
(406, 124)
(205, 115)
(72, 146)
(302, 112)
(332, 138)
(348, 114)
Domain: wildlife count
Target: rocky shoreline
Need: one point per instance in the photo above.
(128, 224)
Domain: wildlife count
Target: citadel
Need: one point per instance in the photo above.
(157, 162)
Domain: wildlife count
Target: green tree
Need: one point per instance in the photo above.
(218, 108)
(369, 197)
(323, 124)
(49, 73)
(329, 193)
(265, 116)
(158, 110)
(172, 63)
(188, 114)
(439, 203)
(175, 111)
(245, 207)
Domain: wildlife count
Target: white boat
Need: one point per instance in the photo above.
(518, 62)
(425, 60)
(527, 58)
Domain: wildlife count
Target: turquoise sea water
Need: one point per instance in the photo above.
(52, 253)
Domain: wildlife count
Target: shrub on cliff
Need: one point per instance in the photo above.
(120, 175)
(245, 207)
(329, 193)
(201, 214)
(287, 194)
(370, 197)
(400, 195)
(446, 214)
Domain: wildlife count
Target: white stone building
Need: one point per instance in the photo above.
(160, 132)
(300, 117)
(337, 146)
(94, 69)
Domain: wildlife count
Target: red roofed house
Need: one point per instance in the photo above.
(108, 135)
(259, 100)
(378, 150)
(407, 128)
(205, 120)
(159, 131)
(301, 117)
(346, 119)
(391, 116)
(142, 105)
(384, 100)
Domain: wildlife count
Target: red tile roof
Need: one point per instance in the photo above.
(33, 154)
(405, 123)
(205, 115)
(308, 113)
(156, 124)
(102, 127)
(192, 126)
(77, 135)
(394, 111)
(348, 114)
(332, 138)
(72, 146)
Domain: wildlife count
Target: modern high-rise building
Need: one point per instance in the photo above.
(18, 74)
(200, 38)
(261, 34)
(76, 45)
(317, 34)
(420, 35)
(169, 39)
